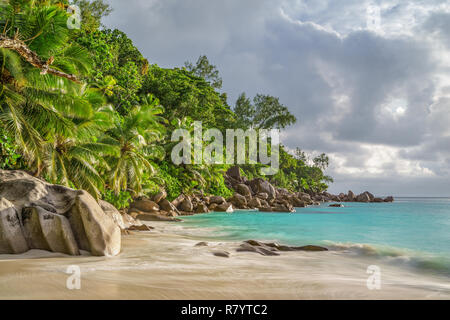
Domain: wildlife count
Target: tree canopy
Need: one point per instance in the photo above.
(84, 108)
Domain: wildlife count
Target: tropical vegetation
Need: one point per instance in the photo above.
(85, 109)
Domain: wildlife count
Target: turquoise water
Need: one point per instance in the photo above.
(417, 227)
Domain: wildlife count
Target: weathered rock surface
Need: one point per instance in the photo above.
(239, 201)
(160, 196)
(336, 205)
(221, 253)
(201, 208)
(24, 190)
(217, 200)
(100, 231)
(166, 205)
(265, 248)
(262, 186)
(12, 240)
(262, 250)
(48, 231)
(113, 213)
(244, 190)
(40, 215)
(224, 207)
(186, 205)
(144, 205)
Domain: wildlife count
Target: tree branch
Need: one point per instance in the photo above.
(31, 57)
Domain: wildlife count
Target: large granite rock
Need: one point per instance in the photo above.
(239, 201)
(48, 231)
(186, 205)
(259, 185)
(12, 239)
(98, 232)
(244, 190)
(113, 213)
(166, 205)
(160, 196)
(144, 205)
(217, 200)
(24, 190)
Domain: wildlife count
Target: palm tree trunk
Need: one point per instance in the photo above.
(31, 57)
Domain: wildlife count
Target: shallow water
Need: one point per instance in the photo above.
(407, 240)
(414, 231)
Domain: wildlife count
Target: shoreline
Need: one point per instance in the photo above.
(163, 265)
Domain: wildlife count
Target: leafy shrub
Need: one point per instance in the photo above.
(120, 201)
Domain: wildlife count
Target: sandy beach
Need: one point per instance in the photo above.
(163, 265)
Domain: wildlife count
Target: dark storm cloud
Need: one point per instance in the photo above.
(375, 102)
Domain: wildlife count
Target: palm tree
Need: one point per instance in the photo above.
(35, 100)
(134, 137)
(73, 157)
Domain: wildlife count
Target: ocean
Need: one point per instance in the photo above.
(411, 231)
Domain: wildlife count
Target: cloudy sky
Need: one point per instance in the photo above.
(372, 91)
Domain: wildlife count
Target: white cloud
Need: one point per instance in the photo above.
(377, 102)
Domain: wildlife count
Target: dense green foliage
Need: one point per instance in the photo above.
(110, 134)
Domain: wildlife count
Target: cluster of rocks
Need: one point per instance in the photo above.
(37, 215)
(264, 249)
(261, 194)
(256, 194)
(159, 208)
(351, 197)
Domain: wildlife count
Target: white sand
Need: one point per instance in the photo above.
(162, 265)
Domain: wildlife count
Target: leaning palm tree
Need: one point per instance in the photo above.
(38, 67)
(74, 156)
(134, 137)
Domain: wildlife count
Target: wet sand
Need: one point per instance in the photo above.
(163, 265)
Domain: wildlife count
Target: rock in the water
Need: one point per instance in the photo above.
(246, 247)
(254, 203)
(296, 202)
(202, 244)
(389, 199)
(48, 231)
(160, 196)
(12, 240)
(239, 201)
(93, 228)
(225, 207)
(201, 208)
(244, 190)
(336, 205)
(363, 197)
(351, 196)
(377, 200)
(221, 253)
(310, 248)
